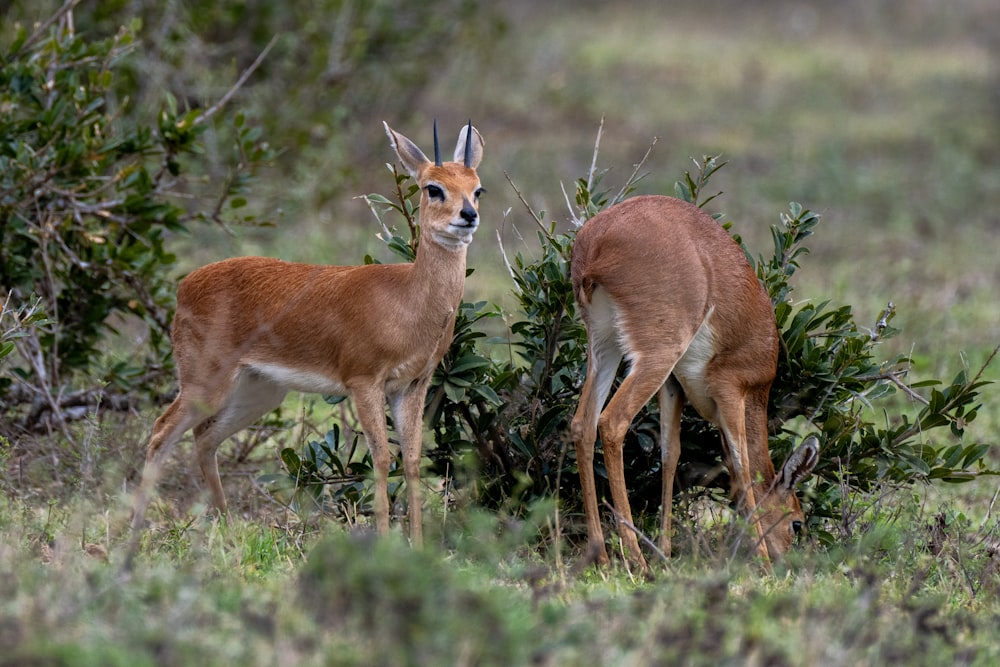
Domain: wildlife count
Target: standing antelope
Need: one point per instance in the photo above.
(659, 281)
(250, 329)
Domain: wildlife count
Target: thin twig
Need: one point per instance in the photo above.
(411, 221)
(642, 536)
(893, 378)
(506, 260)
(534, 216)
(633, 177)
(577, 220)
(593, 160)
(35, 36)
(989, 360)
(215, 108)
(989, 510)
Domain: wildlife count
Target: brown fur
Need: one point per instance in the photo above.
(649, 274)
(250, 329)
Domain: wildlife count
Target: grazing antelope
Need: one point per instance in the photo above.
(250, 329)
(661, 283)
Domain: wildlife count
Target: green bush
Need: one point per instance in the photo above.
(88, 196)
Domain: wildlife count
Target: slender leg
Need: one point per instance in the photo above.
(407, 413)
(167, 432)
(642, 382)
(369, 399)
(671, 404)
(250, 398)
(760, 464)
(602, 364)
(179, 416)
(733, 426)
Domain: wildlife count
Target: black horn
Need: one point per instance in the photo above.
(468, 144)
(437, 147)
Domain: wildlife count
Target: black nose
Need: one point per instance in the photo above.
(470, 215)
(797, 527)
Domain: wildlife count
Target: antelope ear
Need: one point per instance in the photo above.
(800, 463)
(413, 158)
(475, 148)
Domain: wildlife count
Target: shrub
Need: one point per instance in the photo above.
(87, 197)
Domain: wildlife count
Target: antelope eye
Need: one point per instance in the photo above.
(478, 193)
(435, 192)
(796, 527)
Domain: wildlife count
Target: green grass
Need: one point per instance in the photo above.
(486, 594)
(881, 119)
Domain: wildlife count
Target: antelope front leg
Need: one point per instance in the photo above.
(746, 501)
(407, 413)
(370, 404)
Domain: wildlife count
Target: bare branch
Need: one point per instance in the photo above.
(43, 28)
(411, 221)
(534, 216)
(503, 253)
(215, 108)
(634, 176)
(989, 511)
(893, 377)
(577, 220)
(624, 521)
(982, 369)
(593, 159)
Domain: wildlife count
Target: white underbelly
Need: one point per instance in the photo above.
(691, 370)
(313, 382)
(298, 379)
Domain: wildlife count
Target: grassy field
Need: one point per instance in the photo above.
(882, 116)
(263, 593)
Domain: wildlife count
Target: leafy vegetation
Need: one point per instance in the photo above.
(87, 200)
